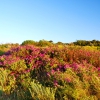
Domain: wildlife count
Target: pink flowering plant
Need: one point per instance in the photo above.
(73, 72)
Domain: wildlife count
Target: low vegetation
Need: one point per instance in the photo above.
(49, 71)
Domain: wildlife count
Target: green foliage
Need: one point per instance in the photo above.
(40, 92)
(87, 43)
(6, 81)
(1, 52)
(29, 42)
(44, 43)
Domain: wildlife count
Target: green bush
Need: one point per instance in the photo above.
(29, 42)
(44, 43)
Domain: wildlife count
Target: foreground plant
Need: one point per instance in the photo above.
(39, 92)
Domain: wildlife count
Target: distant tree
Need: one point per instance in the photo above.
(51, 41)
(87, 43)
(29, 42)
(98, 43)
(43, 43)
(59, 43)
(66, 43)
(80, 42)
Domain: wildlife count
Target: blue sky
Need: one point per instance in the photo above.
(57, 20)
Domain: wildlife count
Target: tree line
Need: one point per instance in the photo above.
(87, 43)
(50, 43)
(44, 43)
